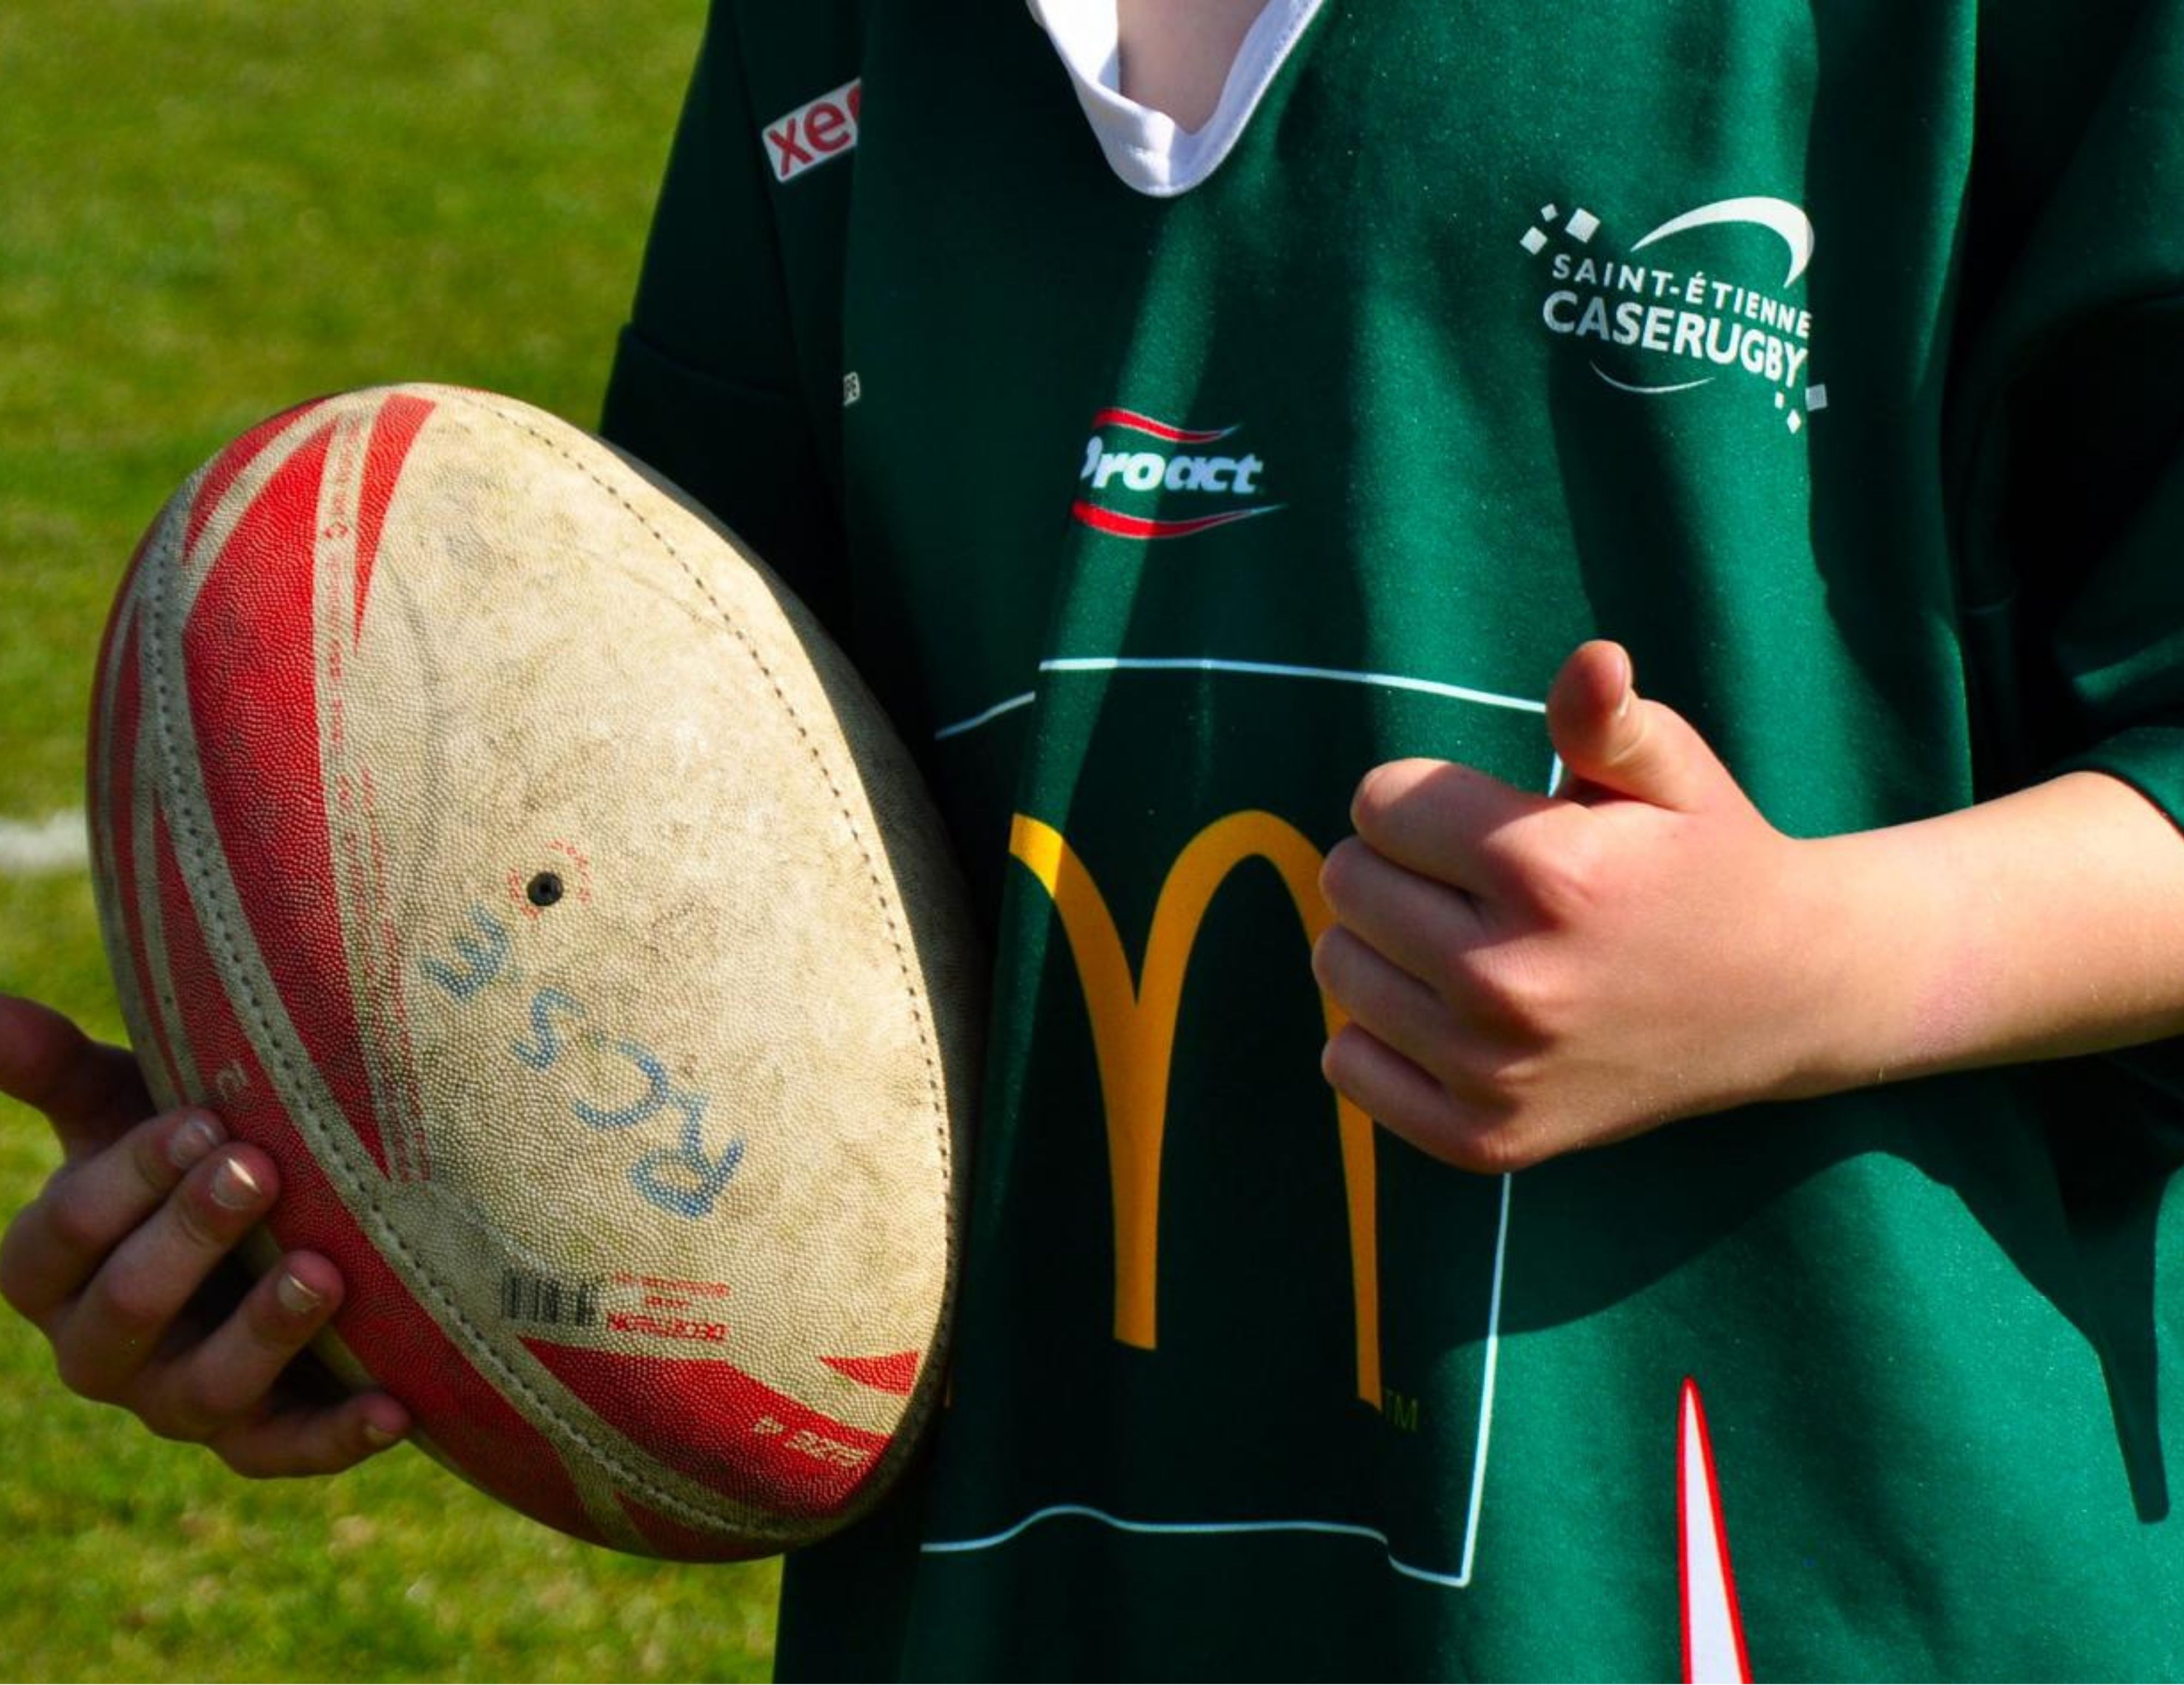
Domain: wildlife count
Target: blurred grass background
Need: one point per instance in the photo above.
(209, 211)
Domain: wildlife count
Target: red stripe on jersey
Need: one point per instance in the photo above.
(1138, 526)
(250, 653)
(1160, 429)
(720, 1426)
(1692, 1408)
(393, 431)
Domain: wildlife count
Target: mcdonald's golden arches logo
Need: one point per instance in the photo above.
(1133, 1025)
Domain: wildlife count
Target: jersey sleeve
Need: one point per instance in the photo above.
(2068, 417)
(727, 379)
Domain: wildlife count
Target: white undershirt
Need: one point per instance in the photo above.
(1148, 149)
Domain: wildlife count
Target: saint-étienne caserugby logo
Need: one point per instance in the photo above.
(1658, 325)
(1147, 478)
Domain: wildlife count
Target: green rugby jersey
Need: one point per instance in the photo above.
(1828, 353)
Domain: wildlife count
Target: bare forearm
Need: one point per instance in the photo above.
(2040, 925)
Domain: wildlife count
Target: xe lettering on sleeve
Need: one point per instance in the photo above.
(816, 130)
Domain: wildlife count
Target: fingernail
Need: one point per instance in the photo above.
(295, 1297)
(235, 1187)
(378, 1437)
(198, 1136)
(1629, 689)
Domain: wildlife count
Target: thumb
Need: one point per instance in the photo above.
(92, 1095)
(1608, 735)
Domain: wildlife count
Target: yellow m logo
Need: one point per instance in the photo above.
(1134, 1024)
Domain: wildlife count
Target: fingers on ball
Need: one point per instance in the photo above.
(90, 1207)
(320, 1441)
(230, 1376)
(129, 1311)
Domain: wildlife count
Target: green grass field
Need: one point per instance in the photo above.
(211, 210)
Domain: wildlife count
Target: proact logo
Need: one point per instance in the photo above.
(1147, 479)
(1660, 330)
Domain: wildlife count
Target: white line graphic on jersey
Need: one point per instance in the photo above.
(1713, 1626)
(1650, 391)
(1458, 1582)
(1650, 319)
(986, 716)
(1384, 681)
(1455, 1582)
(1459, 1577)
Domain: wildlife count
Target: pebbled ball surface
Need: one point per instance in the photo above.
(486, 836)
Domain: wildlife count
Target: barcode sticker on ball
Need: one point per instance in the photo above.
(542, 1300)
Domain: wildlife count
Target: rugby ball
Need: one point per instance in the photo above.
(481, 832)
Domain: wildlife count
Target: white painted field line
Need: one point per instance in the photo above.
(43, 848)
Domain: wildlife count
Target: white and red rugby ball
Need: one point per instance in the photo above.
(485, 836)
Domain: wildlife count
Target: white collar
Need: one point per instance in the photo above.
(1147, 149)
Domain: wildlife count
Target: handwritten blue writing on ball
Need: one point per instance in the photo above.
(685, 1179)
